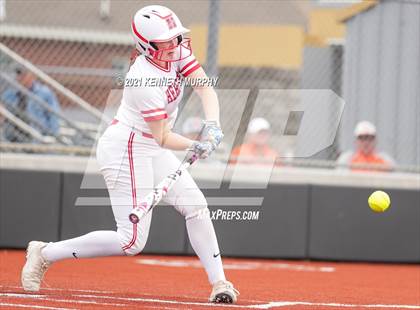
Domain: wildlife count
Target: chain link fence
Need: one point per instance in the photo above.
(260, 46)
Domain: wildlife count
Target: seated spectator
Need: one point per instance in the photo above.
(365, 153)
(28, 109)
(256, 148)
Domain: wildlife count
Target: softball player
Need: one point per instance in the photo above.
(134, 154)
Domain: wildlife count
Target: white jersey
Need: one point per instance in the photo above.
(153, 93)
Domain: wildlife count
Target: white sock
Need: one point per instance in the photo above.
(94, 244)
(204, 242)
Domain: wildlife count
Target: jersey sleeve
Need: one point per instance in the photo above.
(188, 65)
(149, 102)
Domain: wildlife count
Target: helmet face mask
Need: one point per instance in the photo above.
(154, 24)
(174, 53)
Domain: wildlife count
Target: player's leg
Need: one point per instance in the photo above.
(128, 177)
(41, 255)
(125, 189)
(188, 199)
(126, 194)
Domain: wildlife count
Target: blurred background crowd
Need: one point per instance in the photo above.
(61, 62)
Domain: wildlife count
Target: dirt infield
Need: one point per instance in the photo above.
(161, 282)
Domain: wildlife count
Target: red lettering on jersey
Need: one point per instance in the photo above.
(174, 89)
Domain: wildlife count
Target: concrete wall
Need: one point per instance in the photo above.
(30, 207)
(342, 228)
(303, 221)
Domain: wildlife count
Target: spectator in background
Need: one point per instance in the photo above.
(256, 148)
(365, 153)
(28, 109)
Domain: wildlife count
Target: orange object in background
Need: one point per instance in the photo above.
(256, 149)
(365, 152)
(250, 153)
(373, 159)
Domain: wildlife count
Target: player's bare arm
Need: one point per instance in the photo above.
(168, 139)
(208, 97)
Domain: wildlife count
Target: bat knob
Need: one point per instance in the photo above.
(134, 218)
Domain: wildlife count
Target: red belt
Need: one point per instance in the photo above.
(144, 134)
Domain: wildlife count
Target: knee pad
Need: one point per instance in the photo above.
(188, 206)
(199, 213)
(132, 244)
(135, 249)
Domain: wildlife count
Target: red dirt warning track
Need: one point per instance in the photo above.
(161, 282)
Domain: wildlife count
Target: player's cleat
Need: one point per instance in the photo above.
(35, 267)
(223, 292)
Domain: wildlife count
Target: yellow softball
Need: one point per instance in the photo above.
(379, 201)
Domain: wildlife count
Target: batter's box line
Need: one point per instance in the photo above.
(268, 305)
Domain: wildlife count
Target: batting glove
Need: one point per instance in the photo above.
(203, 149)
(212, 133)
